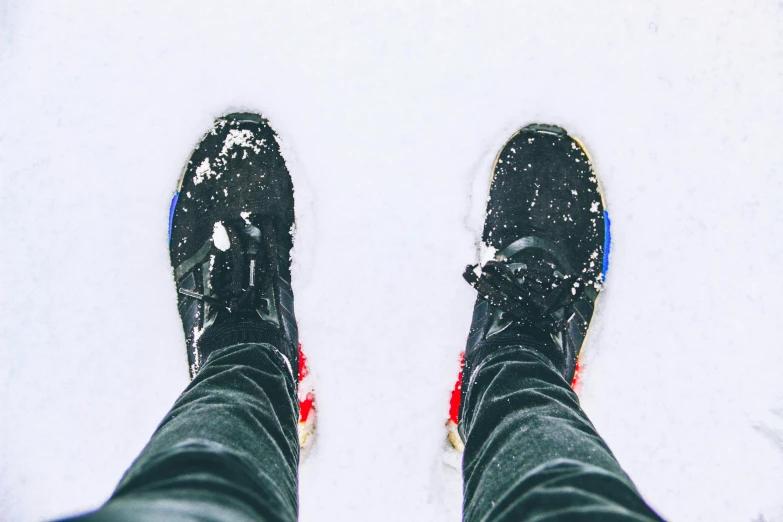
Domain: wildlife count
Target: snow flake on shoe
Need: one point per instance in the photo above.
(220, 237)
(241, 138)
(203, 171)
(487, 254)
(196, 335)
(219, 124)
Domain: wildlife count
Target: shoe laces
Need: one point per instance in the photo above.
(243, 270)
(531, 281)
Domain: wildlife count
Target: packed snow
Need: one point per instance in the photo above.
(390, 114)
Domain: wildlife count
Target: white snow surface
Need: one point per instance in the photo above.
(390, 114)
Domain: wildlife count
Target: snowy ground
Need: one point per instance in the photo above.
(390, 115)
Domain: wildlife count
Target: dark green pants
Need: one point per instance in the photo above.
(228, 450)
(531, 452)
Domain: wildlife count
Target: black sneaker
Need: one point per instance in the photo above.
(545, 251)
(230, 238)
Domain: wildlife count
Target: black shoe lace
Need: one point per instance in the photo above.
(532, 286)
(246, 268)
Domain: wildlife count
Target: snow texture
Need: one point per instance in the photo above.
(390, 115)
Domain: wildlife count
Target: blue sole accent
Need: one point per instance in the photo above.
(171, 212)
(607, 243)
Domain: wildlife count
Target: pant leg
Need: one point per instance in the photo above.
(532, 454)
(227, 450)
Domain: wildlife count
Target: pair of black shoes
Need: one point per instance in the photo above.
(543, 257)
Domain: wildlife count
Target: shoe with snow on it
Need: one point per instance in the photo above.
(544, 253)
(230, 240)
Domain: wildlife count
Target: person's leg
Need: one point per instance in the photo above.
(532, 454)
(530, 451)
(228, 450)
